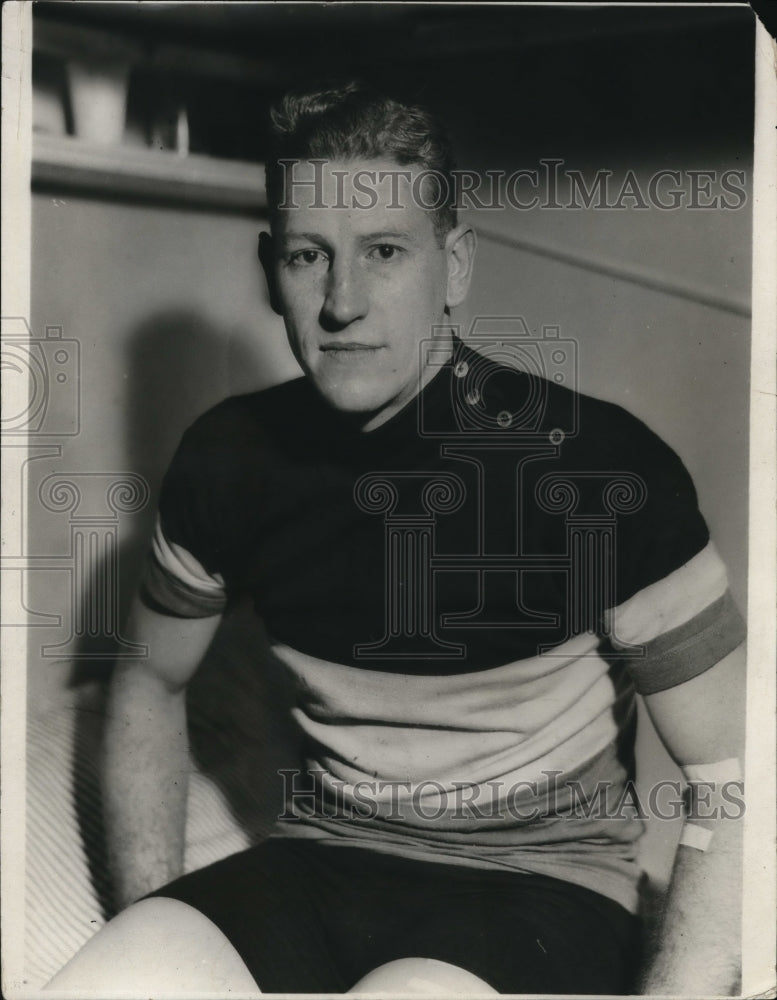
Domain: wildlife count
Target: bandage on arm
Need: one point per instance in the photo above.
(712, 777)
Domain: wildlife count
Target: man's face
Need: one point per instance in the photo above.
(359, 288)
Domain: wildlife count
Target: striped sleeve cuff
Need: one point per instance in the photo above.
(175, 583)
(688, 650)
(685, 624)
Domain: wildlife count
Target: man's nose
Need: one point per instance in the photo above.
(346, 296)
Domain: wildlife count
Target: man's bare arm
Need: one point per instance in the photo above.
(146, 751)
(698, 948)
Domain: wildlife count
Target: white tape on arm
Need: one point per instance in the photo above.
(716, 773)
(706, 783)
(698, 837)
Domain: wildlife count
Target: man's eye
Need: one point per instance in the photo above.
(303, 258)
(385, 251)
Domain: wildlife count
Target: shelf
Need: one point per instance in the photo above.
(64, 162)
(67, 41)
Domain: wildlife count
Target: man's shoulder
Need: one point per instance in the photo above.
(610, 437)
(256, 416)
(530, 401)
(611, 426)
(247, 436)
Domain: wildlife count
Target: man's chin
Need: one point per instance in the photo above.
(351, 402)
(355, 400)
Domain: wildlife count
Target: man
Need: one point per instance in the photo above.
(461, 655)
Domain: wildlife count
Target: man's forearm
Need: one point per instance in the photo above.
(145, 782)
(699, 942)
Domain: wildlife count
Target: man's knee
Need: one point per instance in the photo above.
(157, 946)
(422, 977)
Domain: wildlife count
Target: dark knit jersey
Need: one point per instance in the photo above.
(463, 599)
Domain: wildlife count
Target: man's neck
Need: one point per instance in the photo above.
(442, 353)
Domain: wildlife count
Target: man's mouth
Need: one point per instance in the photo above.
(349, 347)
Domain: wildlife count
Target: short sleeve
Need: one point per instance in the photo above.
(675, 617)
(176, 583)
(183, 575)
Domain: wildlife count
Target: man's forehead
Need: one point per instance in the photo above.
(360, 194)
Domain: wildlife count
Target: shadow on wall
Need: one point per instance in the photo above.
(178, 366)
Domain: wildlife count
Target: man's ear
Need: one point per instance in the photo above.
(460, 246)
(267, 257)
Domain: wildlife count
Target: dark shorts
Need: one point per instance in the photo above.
(312, 918)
